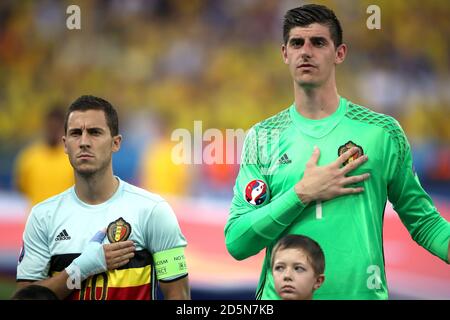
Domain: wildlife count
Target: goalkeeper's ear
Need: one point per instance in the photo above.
(341, 53)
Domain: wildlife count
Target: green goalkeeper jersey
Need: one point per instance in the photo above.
(349, 228)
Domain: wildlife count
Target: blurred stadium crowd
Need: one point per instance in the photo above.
(165, 63)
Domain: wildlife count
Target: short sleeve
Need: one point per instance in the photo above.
(34, 261)
(162, 231)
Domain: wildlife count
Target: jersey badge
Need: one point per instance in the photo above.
(22, 253)
(348, 146)
(118, 230)
(256, 192)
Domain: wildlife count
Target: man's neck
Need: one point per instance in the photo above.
(96, 188)
(316, 102)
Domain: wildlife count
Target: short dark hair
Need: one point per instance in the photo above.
(312, 13)
(308, 245)
(88, 102)
(34, 292)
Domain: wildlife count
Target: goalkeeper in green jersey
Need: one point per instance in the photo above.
(337, 196)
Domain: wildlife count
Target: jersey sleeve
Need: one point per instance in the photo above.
(34, 261)
(413, 205)
(164, 239)
(253, 225)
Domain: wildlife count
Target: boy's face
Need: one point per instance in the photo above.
(294, 275)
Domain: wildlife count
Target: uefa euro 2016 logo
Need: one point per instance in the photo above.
(256, 192)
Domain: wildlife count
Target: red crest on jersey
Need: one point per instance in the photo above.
(118, 230)
(348, 146)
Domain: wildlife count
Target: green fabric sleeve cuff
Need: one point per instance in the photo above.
(170, 263)
(290, 201)
(441, 243)
(281, 213)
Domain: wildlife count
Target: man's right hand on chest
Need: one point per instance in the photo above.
(97, 257)
(327, 182)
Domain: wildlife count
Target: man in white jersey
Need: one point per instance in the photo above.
(141, 244)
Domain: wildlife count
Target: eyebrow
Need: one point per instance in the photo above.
(314, 38)
(70, 130)
(300, 264)
(95, 129)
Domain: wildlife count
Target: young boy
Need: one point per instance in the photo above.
(34, 292)
(298, 266)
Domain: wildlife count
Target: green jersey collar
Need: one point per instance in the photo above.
(320, 127)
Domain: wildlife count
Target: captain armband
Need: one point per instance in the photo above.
(170, 264)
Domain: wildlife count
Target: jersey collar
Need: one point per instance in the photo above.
(101, 205)
(320, 127)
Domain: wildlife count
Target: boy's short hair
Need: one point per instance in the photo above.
(309, 246)
(34, 292)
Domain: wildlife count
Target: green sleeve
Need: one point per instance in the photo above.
(414, 206)
(251, 228)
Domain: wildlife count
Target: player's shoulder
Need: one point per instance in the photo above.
(280, 121)
(365, 115)
(263, 132)
(141, 195)
(51, 204)
(153, 203)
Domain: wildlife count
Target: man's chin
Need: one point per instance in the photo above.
(85, 171)
(307, 83)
